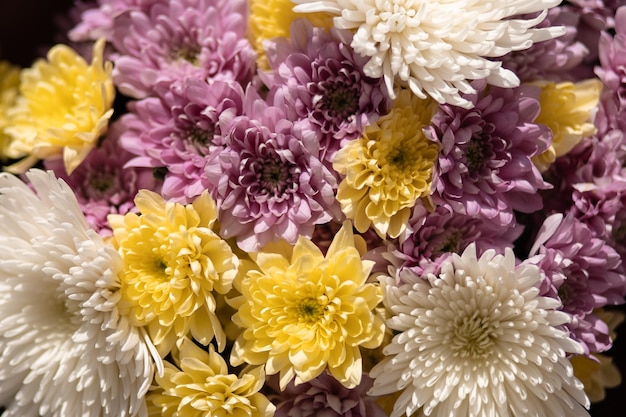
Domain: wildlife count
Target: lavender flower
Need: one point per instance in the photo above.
(181, 131)
(173, 40)
(485, 166)
(325, 396)
(101, 183)
(271, 183)
(582, 272)
(317, 76)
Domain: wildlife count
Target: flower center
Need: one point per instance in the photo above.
(339, 101)
(396, 13)
(189, 52)
(477, 152)
(473, 337)
(199, 139)
(310, 310)
(274, 176)
(451, 243)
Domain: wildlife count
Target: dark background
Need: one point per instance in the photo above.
(26, 26)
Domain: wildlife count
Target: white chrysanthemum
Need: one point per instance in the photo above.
(478, 341)
(65, 350)
(435, 47)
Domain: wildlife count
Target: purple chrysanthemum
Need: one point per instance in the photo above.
(325, 396)
(582, 271)
(316, 75)
(101, 183)
(485, 166)
(271, 183)
(553, 59)
(96, 17)
(612, 54)
(433, 235)
(173, 40)
(180, 131)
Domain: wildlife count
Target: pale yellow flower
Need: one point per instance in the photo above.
(303, 312)
(173, 261)
(9, 84)
(63, 109)
(273, 18)
(389, 168)
(198, 384)
(566, 108)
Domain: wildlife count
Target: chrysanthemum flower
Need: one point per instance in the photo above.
(303, 312)
(199, 384)
(435, 47)
(173, 261)
(271, 182)
(485, 168)
(9, 84)
(583, 273)
(325, 396)
(180, 130)
(389, 168)
(271, 19)
(599, 372)
(102, 184)
(173, 40)
(566, 108)
(64, 107)
(66, 348)
(478, 340)
(317, 76)
(95, 19)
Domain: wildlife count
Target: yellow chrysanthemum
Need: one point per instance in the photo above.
(389, 168)
(303, 312)
(64, 107)
(173, 261)
(599, 374)
(198, 384)
(566, 109)
(9, 84)
(272, 18)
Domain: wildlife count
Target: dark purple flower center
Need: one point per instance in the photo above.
(100, 184)
(339, 100)
(451, 243)
(478, 151)
(274, 176)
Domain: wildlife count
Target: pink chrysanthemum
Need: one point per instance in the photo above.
(180, 131)
(582, 272)
(96, 18)
(325, 396)
(612, 54)
(432, 236)
(485, 166)
(101, 183)
(318, 76)
(271, 183)
(173, 40)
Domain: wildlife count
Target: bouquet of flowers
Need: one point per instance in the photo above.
(315, 208)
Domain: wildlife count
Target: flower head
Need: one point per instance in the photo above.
(302, 312)
(317, 76)
(389, 168)
(325, 396)
(173, 261)
(435, 47)
(271, 182)
(478, 340)
(198, 384)
(566, 108)
(485, 168)
(173, 40)
(102, 184)
(180, 130)
(66, 348)
(64, 107)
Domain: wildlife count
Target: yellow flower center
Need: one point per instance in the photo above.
(310, 310)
